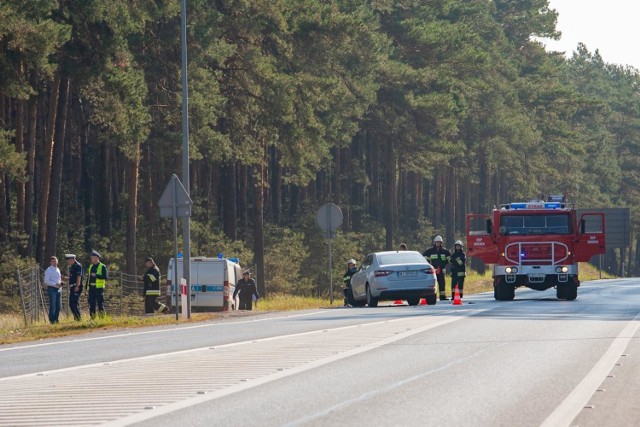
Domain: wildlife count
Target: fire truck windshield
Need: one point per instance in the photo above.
(534, 224)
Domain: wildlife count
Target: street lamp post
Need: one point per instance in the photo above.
(185, 156)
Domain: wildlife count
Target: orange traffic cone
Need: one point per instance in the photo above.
(423, 301)
(398, 302)
(456, 297)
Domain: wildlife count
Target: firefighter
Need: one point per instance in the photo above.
(75, 285)
(458, 270)
(346, 279)
(248, 291)
(151, 289)
(96, 280)
(439, 258)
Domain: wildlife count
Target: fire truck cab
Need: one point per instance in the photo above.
(537, 244)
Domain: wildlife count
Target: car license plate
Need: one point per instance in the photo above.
(407, 273)
(537, 275)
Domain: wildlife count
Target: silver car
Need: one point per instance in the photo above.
(394, 275)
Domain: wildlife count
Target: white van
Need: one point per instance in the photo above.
(212, 283)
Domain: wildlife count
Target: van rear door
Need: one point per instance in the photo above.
(210, 284)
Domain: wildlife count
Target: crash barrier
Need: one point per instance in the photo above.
(122, 296)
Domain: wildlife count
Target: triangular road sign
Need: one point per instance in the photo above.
(175, 194)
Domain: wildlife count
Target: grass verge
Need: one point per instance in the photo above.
(13, 330)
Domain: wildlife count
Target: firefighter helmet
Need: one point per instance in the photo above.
(458, 242)
(437, 239)
(352, 261)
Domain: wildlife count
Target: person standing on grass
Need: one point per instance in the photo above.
(96, 279)
(248, 291)
(75, 285)
(151, 280)
(53, 280)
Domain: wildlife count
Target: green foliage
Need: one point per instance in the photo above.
(380, 106)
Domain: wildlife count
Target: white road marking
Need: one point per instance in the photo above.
(216, 394)
(158, 331)
(571, 406)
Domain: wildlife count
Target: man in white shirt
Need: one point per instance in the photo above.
(53, 281)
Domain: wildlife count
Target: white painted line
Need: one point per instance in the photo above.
(194, 350)
(571, 406)
(176, 406)
(158, 331)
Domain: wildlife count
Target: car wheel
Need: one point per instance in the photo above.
(413, 301)
(431, 300)
(371, 300)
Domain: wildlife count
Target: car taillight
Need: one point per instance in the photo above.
(381, 273)
(428, 270)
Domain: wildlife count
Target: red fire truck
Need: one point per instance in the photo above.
(536, 244)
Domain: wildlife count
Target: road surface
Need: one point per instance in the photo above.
(533, 361)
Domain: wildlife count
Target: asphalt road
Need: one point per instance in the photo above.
(533, 361)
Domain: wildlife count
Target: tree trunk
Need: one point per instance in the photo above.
(391, 199)
(20, 148)
(4, 217)
(450, 198)
(258, 227)
(243, 203)
(276, 186)
(30, 187)
(45, 169)
(229, 191)
(51, 239)
(132, 210)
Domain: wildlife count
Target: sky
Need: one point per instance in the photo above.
(610, 26)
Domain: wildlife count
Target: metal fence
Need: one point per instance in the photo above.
(122, 296)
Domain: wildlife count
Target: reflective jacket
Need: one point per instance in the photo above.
(458, 259)
(101, 275)
(439, 258)
(152, 282)
(347, 276)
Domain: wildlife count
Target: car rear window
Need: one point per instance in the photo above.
(402, 258)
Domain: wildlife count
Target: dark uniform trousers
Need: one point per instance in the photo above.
(96, 298)
(458, 271)
(74, 302)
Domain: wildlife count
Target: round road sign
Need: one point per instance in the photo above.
(329, 217)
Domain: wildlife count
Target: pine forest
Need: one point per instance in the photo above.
(407, 114)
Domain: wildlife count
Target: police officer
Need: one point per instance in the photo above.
(96, 281)
(458, 269)
(75, 285)
(151, 289)
(346, 279)
(438, 257)
(248, 291)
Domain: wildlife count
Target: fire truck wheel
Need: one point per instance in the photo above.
(561, 291)
(571, 292)
(503, 291)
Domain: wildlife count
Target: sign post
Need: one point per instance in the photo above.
(329, 218)
(175, 202)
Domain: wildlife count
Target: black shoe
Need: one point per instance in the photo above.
(444, 299)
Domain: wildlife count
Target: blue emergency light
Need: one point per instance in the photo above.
(518, 206)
